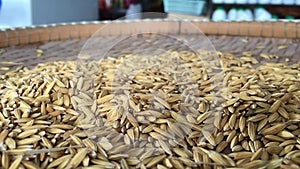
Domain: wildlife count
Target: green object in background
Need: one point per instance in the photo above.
(190, 7)
(221, 8)
(121, 2)
(118, 4)
(289, 17)
(274, 17)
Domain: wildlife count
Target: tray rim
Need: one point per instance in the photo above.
(83, 30)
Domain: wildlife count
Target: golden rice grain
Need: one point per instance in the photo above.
(27, 133)
(251, 131)
(274, 149)
(257, 154)
(11, 143)
(15, 164)
(275, 106)
(58, 117)
(230, 102)
(5, 161)
(254, 164)
(29, 165)
(176, 163)
(217, 158)
(105, 99)
(209, 137)
(286, 134)
(274, 129)
(78, 158)
(165, 147)
(3, 135)
(241, 155)
(221, 146)
(274, 163)
(286, 150)
(155, 160)
(29, 140)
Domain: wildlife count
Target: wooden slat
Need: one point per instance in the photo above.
(4, 39)
(23, 36)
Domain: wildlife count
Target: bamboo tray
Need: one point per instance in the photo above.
(33, 45)
(20, 44)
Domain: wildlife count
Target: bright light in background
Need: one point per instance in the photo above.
(15, 13)
(19, 13)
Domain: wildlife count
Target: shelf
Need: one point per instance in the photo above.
(111, 14)
(280, 10)
(273, 5)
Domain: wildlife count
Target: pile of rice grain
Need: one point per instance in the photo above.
(103, 115)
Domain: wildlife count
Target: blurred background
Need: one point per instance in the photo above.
(19, 13)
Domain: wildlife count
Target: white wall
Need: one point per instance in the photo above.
(15, 13)
(56, 11)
